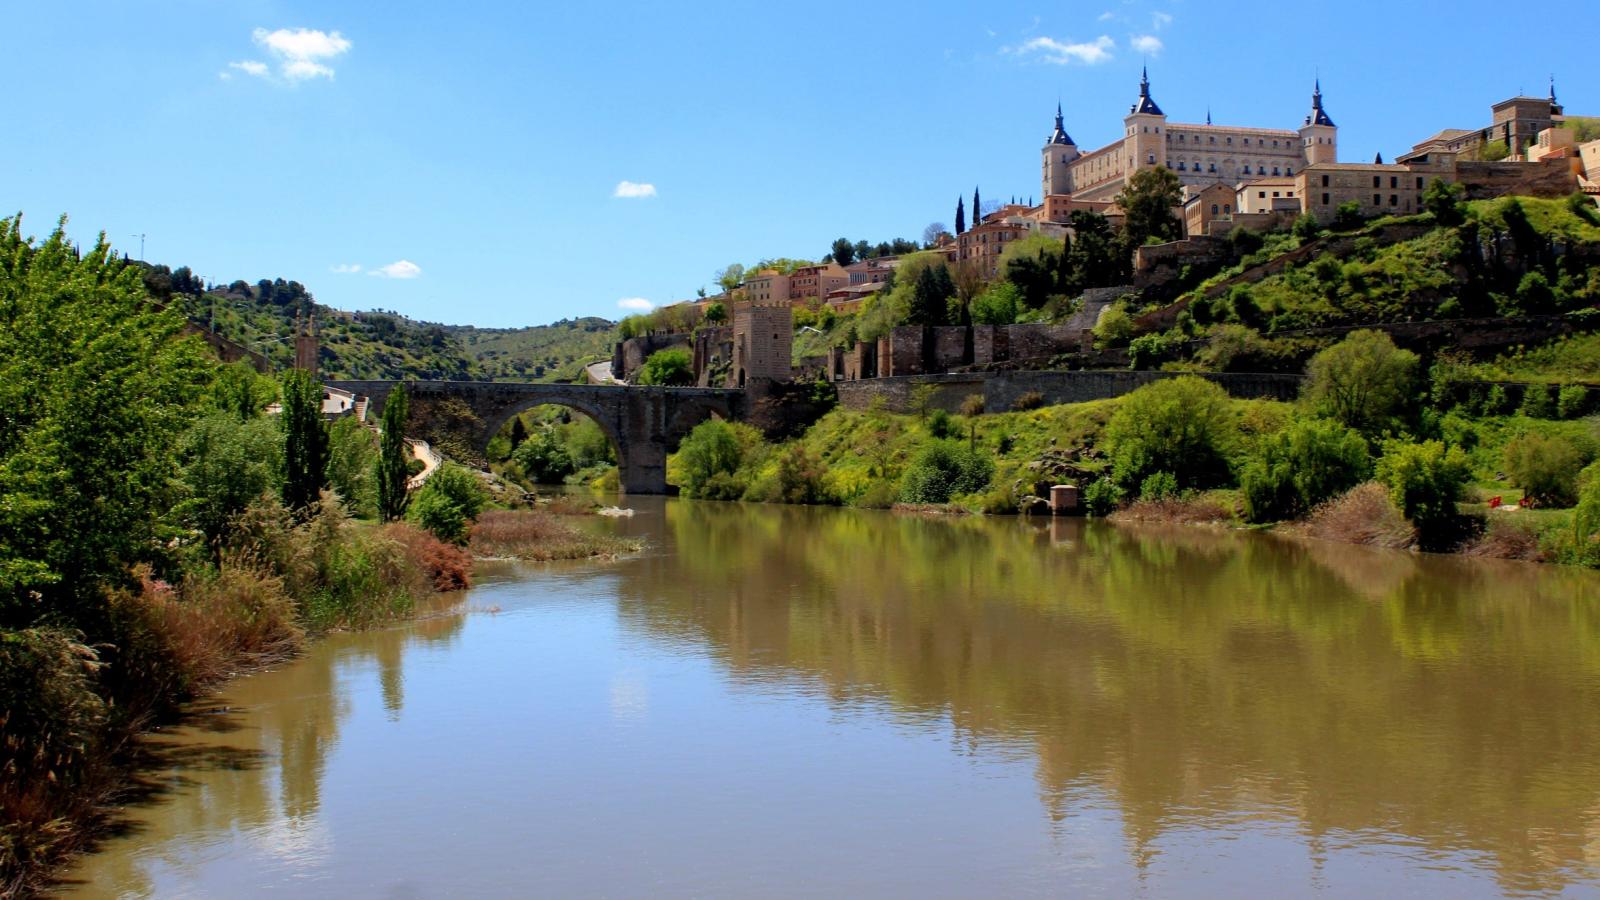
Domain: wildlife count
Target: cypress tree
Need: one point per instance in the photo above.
(519, 432)
(305, 441)
(961, 215)
(977, 208)
(392, 471)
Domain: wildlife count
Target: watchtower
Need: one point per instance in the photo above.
(763, 342)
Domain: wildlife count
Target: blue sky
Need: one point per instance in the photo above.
(467, 157)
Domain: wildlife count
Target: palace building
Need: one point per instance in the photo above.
(1200, 155)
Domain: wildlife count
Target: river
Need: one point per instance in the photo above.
(780, 701)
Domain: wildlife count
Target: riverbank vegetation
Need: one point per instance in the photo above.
(167, 521)
(1377, 450)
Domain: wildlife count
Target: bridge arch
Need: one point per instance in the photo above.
(643, 424)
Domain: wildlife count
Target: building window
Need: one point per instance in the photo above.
(1182, 167)
(1274, 170)
(1377, 200)
(1213, 209)
(1261, 194)
(1324, 199)
(1324, 181)
(1376, 181)
(1419, 182)
(1394, 200)
(1212, 168)
(1394, 181)
(1230, 142)
(1288, 171)
(1227, 208)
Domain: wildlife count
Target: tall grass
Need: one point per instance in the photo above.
(539, 535)
(1364, 515)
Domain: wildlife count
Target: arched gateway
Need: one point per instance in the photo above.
(644, 423)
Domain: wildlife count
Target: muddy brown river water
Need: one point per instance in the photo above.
(779, 701)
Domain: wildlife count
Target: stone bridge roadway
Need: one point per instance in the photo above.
(644, 423)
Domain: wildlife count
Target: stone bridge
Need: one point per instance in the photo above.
(643, 423)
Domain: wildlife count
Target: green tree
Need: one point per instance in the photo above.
(544, 458)
(305, 440)
(716, 314)
(1305, 464)
(1147, 201)
(844, 252)
(448, 502)
(226, 466)
(945, 469)
(97, 386)
(672, 366)
(997, 305)
(1446, 202)
(1180, 425)
(1425, 480)
(1545, 467)
(1366, 382)
(930, 297)
(712, 449)
(353, 465)
(393, 471)
(1306, 228)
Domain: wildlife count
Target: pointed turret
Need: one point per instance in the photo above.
(1059, 137)
(1378, 160)
(1146, 105)
(1555, 105)
(1319, 116)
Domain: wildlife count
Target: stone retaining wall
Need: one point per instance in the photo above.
(1000, 390)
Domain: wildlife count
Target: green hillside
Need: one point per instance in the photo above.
(382, 344)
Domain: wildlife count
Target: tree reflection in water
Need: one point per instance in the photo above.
(1193, 676)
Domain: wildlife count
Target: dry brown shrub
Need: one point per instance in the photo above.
(569, 505)
(1363, 515)
(448, 567)
(1174, 511)
(1506, 540)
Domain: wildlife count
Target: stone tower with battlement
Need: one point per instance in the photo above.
(763, 341)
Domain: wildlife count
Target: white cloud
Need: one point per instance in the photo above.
(251, 67)
(400, 268)
(1060, 53)
(347, 268)
(1106, 16)
(632, 189)
(1160, 20)
(1148, 44)
(637, 303)
(301, 53)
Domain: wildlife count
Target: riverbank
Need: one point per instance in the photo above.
(77, 712)
(1519, 484)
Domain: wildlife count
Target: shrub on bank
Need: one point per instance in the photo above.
(1545, 467)
(942, 470)
(1298, 468)
(447, 503)
(1425, 480)
(1183, 426)
(1362, 515)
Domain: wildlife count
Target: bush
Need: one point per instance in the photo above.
(447, 503)
(1027, 400)
(1114, 327)
(998, 305)
(942, 470)
(543, 457)
(941, 425)
(1545, 467)
(1147, 350)
(448, 567)
(1158, 486)
(1306, 228)
(1178, 425)
(1366, 382)
(712, 449)
(1299, 468)
(1101, 497)
(1004, 443)
(1363, 515)
(878, 495)
(1538, 401)
(1425, 480)
(673, 366)
(800, 476)
(352, 465)
(1572, 401)
(226, 465)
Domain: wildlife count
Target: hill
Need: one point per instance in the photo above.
(379, 343)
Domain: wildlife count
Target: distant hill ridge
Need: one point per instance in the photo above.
(381, 343)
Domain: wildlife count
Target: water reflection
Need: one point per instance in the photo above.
(775, 699)
(1197, 677)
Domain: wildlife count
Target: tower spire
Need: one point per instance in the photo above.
(1146, 105)
(1318, 116)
